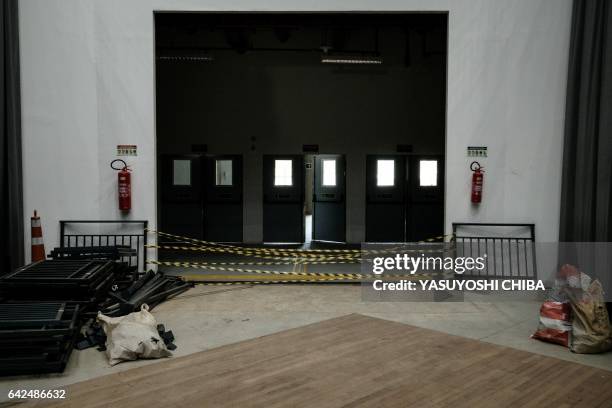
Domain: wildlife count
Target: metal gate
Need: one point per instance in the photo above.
(509, 248)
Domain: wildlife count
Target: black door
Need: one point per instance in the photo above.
(223, 198)
(181, 195)
(283, 198)
(385, 198)
(329, 199)
(426, 198)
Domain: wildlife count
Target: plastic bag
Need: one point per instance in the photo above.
(591, 331)
(132, 337)
(554, 325)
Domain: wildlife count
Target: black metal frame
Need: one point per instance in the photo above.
(37, 337)
(90, 240)
(77, 280)
(523, 266)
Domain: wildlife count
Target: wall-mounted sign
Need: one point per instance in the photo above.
(310, 148)
(477, 151)
(404, 148)
(199, 148)
(126, 150)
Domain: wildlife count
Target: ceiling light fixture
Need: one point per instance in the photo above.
(184, 55)
(351, 59)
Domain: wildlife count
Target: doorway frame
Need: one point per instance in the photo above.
(443, 11)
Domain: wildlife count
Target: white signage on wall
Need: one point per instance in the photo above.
(477, 151)
(126, 150)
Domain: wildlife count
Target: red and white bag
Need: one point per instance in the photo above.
(555, 323)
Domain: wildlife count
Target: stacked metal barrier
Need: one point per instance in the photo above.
(84, 281)
(36, 337)
(113, 253)
(41, 312)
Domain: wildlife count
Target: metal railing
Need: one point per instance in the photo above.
(509, 249)
(135, 239)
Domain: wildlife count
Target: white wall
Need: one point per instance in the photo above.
(88, 85)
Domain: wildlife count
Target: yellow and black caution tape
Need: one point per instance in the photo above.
(229, 247)
(259, 271)
(252, 249)
(318, 275)
(277, 255)
(204, 280)
(210, 283)
(268, 255)
(250, 263)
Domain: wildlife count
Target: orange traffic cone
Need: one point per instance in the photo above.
(38, 247)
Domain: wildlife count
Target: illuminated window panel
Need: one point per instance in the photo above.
(181, 172)
(329, 172)
(428, 173)
(385, 173)
(283, 175)
(223, 172)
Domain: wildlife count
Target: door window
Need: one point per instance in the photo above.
(329, 172)
(428, 173)
(181, 173)
(283, 172)
(223, 172)
(385, 173)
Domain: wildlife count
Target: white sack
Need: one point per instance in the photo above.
(132, 337)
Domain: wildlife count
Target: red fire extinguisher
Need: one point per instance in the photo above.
(477, 180)
(124, 182)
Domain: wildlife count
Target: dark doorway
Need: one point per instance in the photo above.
(329, 198)
(425, 210)
(386, 198)
(201, 196)
(181, 195)
(223, 198)
(405, 197)
(283, 199)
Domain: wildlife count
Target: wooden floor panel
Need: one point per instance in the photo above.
(351, 361)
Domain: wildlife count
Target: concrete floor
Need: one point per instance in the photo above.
(211, 316)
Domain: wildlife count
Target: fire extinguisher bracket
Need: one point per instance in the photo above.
(124, 184)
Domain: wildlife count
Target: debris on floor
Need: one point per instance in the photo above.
(151, 288)
(94, 336)
(44, 306)
(554, 324)
(133, 336)
(576, 316)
